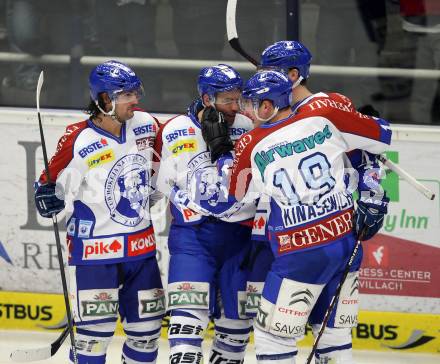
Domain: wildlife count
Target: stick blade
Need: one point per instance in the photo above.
(231, 28)
(29, 355)
(235, 44)
(39, 86)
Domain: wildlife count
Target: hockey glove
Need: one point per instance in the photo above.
(215, 133)
(369, 217)
(46, 200)
(369, 110)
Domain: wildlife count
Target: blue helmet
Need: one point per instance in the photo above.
(218, 78)
(269, 85)
(113, 77)
(287, 54)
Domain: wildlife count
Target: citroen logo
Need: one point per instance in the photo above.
(301, 296)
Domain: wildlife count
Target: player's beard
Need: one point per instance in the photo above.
(120, 118)
(230, 118)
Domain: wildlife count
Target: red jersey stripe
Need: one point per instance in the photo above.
(64, 151)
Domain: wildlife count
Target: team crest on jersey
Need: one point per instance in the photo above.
(203, 180)
(126, 190)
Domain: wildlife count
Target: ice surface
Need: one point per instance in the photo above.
(12, 340)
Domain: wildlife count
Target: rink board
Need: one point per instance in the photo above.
(382, 331)
(400, 270)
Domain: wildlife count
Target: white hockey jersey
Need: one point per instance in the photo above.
(299, 163)
(107, 183)
(185, 163)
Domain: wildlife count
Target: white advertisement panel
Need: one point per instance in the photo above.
(400, 270)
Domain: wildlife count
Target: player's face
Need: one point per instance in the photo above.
(227, 103)
(251, 108)
(247, 108)
(125, 103)
(266, 109)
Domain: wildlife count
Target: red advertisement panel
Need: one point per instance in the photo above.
(394, 266)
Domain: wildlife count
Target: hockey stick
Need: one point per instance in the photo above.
(18, 353)
(335, 297)
(407, 177)
(43, 353)
(231, 29)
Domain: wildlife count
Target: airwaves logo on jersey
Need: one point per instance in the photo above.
(99, 144)
(127, 189)
(264, 158)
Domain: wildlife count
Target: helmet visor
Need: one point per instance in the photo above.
(281, 69)
(227, 100)
(228, 97)
(247, 105)
(127, 96)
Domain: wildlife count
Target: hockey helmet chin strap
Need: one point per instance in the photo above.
(212, 101)
(111, 113)
(297, 82)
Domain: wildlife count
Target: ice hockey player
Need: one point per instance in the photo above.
(103, 166)
(298, 161)
(205, 279)
(294, 59)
